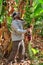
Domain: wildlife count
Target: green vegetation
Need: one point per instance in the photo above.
(32, 13)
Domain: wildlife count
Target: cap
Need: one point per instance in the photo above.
(15, 14)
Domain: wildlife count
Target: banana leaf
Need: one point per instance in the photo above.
(1, 6)
(38, 10)
(40, 1)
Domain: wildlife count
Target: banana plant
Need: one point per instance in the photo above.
(2, 10)
(37, 7)
(9, 20)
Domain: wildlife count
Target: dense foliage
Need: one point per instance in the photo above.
(32, 12)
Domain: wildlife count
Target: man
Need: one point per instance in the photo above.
(17, 35)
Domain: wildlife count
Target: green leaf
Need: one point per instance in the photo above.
(35, 51)
(1, 6)
(1, 19)
(9, 21)
(41, 1)
(38, 1)
(38, 10)
(30, 51)
(17, 1)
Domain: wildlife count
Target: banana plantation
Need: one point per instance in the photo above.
(21, 32)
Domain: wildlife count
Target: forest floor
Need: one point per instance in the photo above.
(38, 43)
(25, 62)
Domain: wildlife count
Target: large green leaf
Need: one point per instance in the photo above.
(9, 21)
(41, 1)
(38, 1)
(1, 6)
(38, 10)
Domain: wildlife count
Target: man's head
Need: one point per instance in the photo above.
(16, 15)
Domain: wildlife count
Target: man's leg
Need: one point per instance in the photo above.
(14, 51)
(21, 50)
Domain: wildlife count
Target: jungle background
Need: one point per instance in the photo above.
(31, 11)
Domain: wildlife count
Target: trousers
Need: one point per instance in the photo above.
(13, 51)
